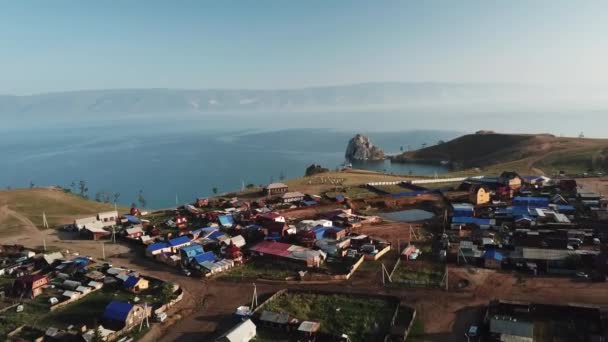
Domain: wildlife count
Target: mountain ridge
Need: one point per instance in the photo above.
(369, 95)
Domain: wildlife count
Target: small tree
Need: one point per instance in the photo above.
(166, 292)
(98, 196)
(141, 199)
(215, 190)
(116, 196)
(84, 190)
(32, 185)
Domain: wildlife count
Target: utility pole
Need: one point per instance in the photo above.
(254, 298)
(45, 223)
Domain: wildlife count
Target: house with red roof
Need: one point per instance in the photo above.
(29, 285)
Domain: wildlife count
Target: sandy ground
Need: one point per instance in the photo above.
(598, 184)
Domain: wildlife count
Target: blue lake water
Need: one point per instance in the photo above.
(166, 159)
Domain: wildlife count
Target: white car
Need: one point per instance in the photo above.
(473, 331)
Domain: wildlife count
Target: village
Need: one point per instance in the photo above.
(403, 235)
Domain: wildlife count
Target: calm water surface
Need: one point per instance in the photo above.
(185, 160)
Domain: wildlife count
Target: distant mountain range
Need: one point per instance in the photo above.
(357, 96)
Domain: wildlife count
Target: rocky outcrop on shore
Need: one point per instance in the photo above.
(360, 147)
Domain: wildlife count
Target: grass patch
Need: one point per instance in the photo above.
(362, 319)
(417, 332)
(430, 275)
(259, 269)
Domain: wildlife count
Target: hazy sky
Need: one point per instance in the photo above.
(69, 45)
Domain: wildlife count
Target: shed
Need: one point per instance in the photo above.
(309, 328)
(492, 258)
(238, 241)
(71, 294)
(242, 332)
(94, 284)
(70, 284)
(83, 289)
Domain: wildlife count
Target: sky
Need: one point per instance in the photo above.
(49, 46)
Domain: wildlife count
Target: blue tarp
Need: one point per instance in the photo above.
(226, 220)
(179, 241)
(157, 246)
(310, 203)
(207, 256)
(117, 311)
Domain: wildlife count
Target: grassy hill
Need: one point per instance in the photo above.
(541, 153)
(22, 208)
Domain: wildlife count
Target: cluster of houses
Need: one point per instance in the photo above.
(525, 321)
(530, 223)
(66, 279)
(237, 231)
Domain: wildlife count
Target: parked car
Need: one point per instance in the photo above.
(473, 331)
(160, 317)
(186, 272)
(582, 275)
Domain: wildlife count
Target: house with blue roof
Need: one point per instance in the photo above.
(205, 257)
(492, 258)
(179, 242)
(226, 221)
(189, 252)
(136, 284)
(122, 315)
(216, 236)
(157, 248)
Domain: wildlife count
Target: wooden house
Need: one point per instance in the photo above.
(511, 179)
(275, 189)
(479, 194)
(29, 286)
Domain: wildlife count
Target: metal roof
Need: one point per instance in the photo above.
(243, 331)
(276, 186)
(272, 248)
(207, 256)
(545, 254)
(511, 326)
(179, 241)
(117, 311)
